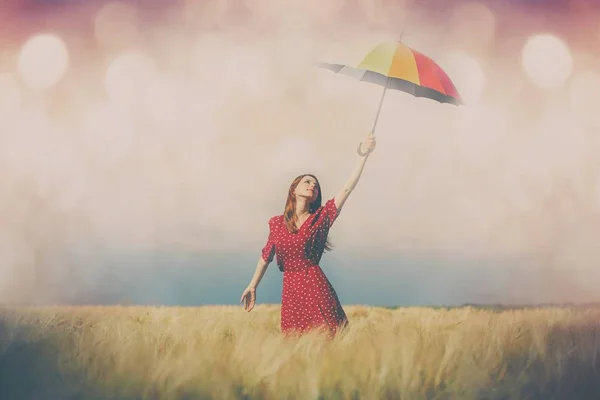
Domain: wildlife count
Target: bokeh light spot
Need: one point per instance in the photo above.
(116, 23)
(10, 96)
(467, 74)
(128, 78)
(547, 60)
(43, 61)
(584, 97)
(473, 23)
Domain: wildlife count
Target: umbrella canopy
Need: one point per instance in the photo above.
(397, 66)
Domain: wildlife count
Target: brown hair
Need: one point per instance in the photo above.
(291, 219)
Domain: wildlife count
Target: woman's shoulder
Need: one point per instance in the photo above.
(275, 219)
(327, 205)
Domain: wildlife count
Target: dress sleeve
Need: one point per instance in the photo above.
(268, 252)
(331, 212)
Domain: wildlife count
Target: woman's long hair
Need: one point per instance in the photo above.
(291, 219)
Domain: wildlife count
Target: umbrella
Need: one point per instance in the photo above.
(394, 65)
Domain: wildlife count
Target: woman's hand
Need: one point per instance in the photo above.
(249, 297)
(368, 145)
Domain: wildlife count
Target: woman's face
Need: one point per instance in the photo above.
(307, 188)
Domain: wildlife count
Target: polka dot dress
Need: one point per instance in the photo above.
(308, 300)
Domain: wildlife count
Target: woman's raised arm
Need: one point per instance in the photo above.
(366, 147)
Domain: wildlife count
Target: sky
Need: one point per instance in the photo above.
(145, 145)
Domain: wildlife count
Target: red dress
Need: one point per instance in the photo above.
(308, 300)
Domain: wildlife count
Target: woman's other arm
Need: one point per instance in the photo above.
(249, 294)
(268, 252)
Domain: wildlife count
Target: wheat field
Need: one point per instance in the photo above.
(222, 352)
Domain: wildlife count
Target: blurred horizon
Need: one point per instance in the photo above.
(145, 145)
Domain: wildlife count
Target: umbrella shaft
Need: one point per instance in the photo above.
(379, 108)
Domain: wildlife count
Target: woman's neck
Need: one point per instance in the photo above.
(301, 208)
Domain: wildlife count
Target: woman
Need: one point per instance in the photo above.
(299, 237)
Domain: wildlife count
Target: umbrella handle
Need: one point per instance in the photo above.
(360, 153)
